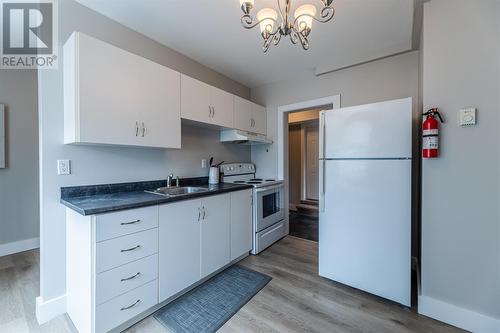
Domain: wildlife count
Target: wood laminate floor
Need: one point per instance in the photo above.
(296, 300)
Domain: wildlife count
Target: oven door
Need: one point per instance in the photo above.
(269, 202)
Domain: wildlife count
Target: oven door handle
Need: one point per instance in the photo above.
(273, 187)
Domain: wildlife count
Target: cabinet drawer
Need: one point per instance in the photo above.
(122, 279)
(125, 222)
(118, 310)
(118, 251)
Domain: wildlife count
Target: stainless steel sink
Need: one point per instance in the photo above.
(178, 191)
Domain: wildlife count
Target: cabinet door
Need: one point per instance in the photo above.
(241, 223)
(161, 120)
(223, 107)
(195, 99)
(107, 94)
(259, 115)
(179, 247)
(215, 233)
(242, 114)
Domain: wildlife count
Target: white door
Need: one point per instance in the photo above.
(161, 123)
(365, 228)
(379, 130)
(241, 223)
(195, 99)
(222, 108)
(242, 114)
(215, 233)
(259, 116)
(179, 246)
(312, 159)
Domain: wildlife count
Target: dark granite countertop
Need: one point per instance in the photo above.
(98, 199)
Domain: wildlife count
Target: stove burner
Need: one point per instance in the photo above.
(239, 182)
(256, 180)
(270, 180)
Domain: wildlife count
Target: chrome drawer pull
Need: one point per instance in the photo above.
(132, 277)
(131, 222)
(131, 249)
(131, 306)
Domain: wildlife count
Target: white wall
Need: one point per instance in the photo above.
(461, 189)
(19, 180)
(94, 165)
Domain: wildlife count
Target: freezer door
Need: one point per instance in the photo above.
(380, 130)
(365, 228)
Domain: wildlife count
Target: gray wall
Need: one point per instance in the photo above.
(390, 78)
(461, 189)
(91, 165)
(19, 181)
(295, 164)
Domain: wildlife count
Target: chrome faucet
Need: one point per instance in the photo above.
(169, 179)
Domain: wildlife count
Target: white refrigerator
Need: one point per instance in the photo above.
(365, 198)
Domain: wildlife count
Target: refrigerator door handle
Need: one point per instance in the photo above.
(323, 161)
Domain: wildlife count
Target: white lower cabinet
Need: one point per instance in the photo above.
(215, 234)
(179, 244)
(241, 223)
(194, 241)
(137, 258)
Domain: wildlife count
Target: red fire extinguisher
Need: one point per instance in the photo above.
(430, 131)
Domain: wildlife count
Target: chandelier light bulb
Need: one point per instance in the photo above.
(305, 22)
(267, 17)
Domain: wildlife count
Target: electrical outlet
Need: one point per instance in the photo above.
(203, 163)
(63, 167)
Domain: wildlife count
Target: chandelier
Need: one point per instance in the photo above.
(273, 28)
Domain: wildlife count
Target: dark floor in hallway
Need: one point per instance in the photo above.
(303, 226)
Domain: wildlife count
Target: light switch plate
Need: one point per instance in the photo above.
(467, 117)
(63, 167)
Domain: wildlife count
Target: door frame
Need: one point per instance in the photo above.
(325, 103)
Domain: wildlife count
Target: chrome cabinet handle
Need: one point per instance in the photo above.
(132, 277)
(204, 212)
(209, 111)
(131, 222)
(136, 128)
(143, 130)
(131, 306)
(213, 111)
(131, 249)
(199, 214)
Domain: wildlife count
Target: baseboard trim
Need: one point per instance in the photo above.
(457, 316)
(19, 246)
(48, 310)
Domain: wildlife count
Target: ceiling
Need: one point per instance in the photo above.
(209, 31)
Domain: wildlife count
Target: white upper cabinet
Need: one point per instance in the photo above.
(112, 96)
(242, 114)
(195, 100)
(259, 115)
(249, 116)
(203, 103)
(222, 107)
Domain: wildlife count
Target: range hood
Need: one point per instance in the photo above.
(243, 137)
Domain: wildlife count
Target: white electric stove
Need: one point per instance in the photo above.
(269, 223)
